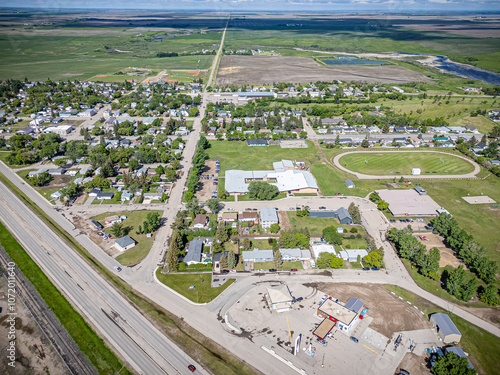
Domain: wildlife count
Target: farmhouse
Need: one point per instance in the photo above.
(279, 298)
(445, 328)
(345, 316)
(124, 243)
(409, 203)
(268, 217)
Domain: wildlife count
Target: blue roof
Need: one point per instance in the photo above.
(354, 304)
(445, 324)
(460, 353)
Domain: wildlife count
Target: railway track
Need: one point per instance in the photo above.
(66, 348)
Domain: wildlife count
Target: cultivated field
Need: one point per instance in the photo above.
(261, 70)
(401, 163)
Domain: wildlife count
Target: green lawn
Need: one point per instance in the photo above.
(89, 342)
(315, 225)
(331, 181)
(357, 243)
(482, 346)
(202, 291)
(401, 163)
(237, 155)
(141, 250)
(260, 244)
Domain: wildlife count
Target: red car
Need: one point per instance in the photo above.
(294, 270)
(192, 368)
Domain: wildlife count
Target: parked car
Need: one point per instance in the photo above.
(322, 208)
(294, 270)
(117, 268)
(323, 342)
(375, 268)
(404, 372)
(192, 368)
(233, 271)
(272, 270)
(354, 339)
(366, 268)
(261, 270)
(299, 299)
(224, 271)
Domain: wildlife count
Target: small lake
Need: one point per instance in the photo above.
(353, 62)
(468, 71)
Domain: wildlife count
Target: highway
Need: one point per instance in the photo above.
(143, 347)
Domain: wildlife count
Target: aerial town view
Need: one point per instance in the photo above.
(250, 187)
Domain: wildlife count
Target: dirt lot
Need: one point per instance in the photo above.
(414, 364)
(34, 353)
(476, 29)
(381, 305)
(259, 70)
(83, 222)
(207, 185)
(447, 255)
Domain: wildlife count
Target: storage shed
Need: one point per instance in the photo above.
(445, 328)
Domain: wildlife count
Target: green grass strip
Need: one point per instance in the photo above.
(211, 355)
(89, 342)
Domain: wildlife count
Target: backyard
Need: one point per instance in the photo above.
(132, 222)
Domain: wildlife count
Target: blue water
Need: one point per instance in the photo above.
(347, 57)
(464, 71)
(353, 62)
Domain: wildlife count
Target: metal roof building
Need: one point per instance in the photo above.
(354, 304)
(445, 328)
(193, 255)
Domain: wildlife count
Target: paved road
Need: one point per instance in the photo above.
(146, 349)
(362, 176)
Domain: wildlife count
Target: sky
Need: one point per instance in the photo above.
(393, 6)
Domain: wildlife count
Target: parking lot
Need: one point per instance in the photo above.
(209, 180)
(417, 224)
(374, 353)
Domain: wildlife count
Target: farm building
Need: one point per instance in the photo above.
(344, 315)
(124, 243)
(279, 298)
(445, 328)
(409, 203)
(268, 217)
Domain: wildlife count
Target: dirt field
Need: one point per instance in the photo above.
(34, 353)
(259, 70)
(83, 222)
(414, 364)
(381, 305)
(476, 30)
(447, 255)
(207, 185)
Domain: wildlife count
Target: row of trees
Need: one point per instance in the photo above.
(409, 247)
(198, 164)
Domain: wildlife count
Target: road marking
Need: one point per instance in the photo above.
(371, 349)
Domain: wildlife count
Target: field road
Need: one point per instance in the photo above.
(142, 346)
(213, 68)
(362, 176)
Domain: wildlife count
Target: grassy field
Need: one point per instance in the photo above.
(141, 250)
(357, 243)
(237, 155)
(89, 342)
(315, 225)
(38, 54)
(481, 345)
(210, 354)
(385, 163)
(202, 291)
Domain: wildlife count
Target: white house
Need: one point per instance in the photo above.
(268, 217)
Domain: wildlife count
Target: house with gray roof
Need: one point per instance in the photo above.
(258, 256)
(124, 243)
(341, 214)
(268, 217)
(194, 252)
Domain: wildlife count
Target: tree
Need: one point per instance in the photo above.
(355, 214)
(221, 234)
(223, 262)
(374, 197)
(454, 281)
(277, 260)
(247, 244)
(160, 170)
(117, 229)
(213, 205)
(452, 364)
(133, 165)
(193, 206)
(330, 234)
(231, 259)
(382, 205)
(324, 260)
(336, 262)
(373, 259)
(489, 295)
(274, 228)
(152, 223)
(40, 179)
(365, 143)
(262, 190)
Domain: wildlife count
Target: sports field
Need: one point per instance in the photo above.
(401, 163)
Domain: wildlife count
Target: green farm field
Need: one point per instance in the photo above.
(38, 54)
(401, 163)
(237, 155)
